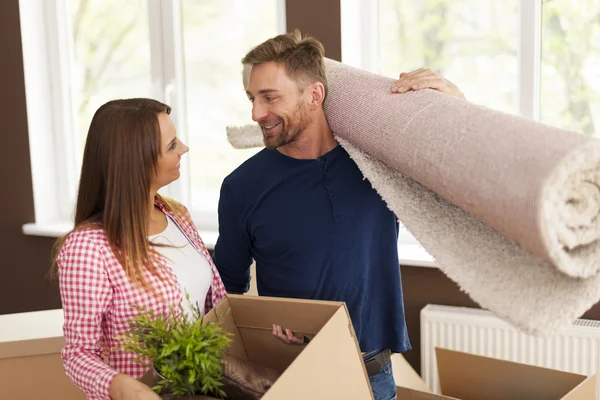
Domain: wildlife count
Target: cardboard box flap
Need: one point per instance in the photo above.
(265, 349)
(251, 318)
(223, 313)
(31, 333)
(585, 391)
(471, 377)
(329, 362)
(411, 394)
(32, 347)
(406, 377)
(297, 315)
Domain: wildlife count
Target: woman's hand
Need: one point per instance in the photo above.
(286, 335)
(124, 387)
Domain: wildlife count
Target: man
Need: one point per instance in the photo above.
(302, 210)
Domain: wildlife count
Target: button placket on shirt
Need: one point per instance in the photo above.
(338, 217)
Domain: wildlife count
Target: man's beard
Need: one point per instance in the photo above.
(290, 131)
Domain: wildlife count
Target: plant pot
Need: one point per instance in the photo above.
(241, 380)
(152, 377)
(193, 397)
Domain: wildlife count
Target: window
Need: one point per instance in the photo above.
(215, 97)
(78, 54)
(537, 58)
(110, 57)
(570, 67)
(472, 42)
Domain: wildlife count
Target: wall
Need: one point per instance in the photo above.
(25, 259)
(320, 19)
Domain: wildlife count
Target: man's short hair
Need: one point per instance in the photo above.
(303, 58)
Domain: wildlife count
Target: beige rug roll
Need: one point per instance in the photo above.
(538, 185)
(507, 207)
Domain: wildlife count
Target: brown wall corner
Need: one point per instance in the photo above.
(422, 286)
(25, 260)
(320, 19)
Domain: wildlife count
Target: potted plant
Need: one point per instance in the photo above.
(183, 355)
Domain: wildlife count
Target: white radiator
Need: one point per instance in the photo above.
(475, 331)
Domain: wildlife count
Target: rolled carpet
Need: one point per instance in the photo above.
(508, 207)
(537, 184)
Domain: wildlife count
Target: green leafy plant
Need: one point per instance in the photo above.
(183, 351)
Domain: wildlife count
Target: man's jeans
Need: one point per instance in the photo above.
(382, 384)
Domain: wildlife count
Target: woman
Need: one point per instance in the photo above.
(130, 246)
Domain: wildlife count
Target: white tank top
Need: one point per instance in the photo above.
(192, 270)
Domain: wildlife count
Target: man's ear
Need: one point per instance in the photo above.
(317, 93)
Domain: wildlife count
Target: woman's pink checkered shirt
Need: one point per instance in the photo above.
(97, 298)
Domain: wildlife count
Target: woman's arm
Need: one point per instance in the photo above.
(85, 293)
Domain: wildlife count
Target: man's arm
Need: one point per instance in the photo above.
(232, 254)
(424, 78)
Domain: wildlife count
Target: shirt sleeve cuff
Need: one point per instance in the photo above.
(104, 382)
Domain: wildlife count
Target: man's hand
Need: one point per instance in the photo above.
(286, 335)
(424, 78)
(124, 387)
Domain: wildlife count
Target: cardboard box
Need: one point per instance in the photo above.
(466, 376)
(329, 367)
(404, 393)
(30, 363)
(406, 377)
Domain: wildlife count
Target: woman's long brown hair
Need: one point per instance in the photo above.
(120, 158)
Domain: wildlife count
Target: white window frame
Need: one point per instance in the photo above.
(360, 34)
(52, 156)
(46, 58)
(530, 58)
